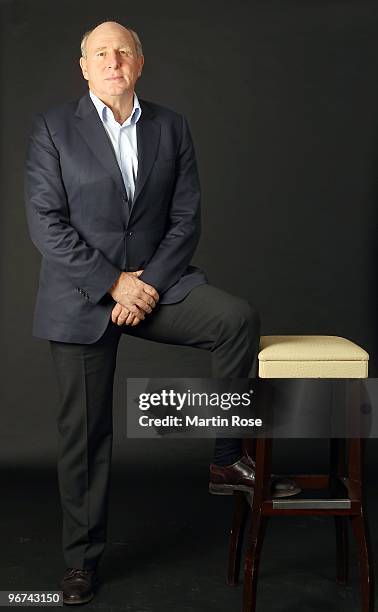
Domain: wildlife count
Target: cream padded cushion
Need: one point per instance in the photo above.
(311, 357)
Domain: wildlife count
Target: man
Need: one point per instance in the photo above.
(113, 205)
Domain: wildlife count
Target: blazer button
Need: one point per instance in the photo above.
(129, 233)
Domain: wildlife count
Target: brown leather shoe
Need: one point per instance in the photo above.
(240, 476)
(78, 585)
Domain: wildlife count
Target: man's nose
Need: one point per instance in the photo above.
(113, 59)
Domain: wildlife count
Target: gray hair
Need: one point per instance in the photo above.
(83, 44)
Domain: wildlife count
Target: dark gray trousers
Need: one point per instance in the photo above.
(208, 318)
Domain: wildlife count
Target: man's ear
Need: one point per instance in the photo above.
(141, 64)
(83, 66)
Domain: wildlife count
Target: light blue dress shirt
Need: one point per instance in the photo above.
(124, 140)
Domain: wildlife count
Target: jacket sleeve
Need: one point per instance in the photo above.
(49, 224)
(176, 249)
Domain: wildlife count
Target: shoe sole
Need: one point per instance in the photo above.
(78, 602)
(215, 489)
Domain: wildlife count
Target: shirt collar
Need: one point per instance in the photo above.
(104, 111)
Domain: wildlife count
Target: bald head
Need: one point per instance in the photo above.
(105, 27)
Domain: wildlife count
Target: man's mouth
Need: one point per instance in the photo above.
(118, 78)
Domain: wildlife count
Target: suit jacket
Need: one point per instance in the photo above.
(86, 230)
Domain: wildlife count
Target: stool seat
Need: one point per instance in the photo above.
(311, 357)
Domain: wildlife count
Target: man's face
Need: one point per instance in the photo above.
(112, 65)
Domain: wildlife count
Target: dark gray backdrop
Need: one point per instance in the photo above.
(282, 100)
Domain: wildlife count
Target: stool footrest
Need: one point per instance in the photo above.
(312, 504)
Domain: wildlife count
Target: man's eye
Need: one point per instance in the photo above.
(100, 54)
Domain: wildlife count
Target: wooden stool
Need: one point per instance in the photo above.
(307, 357)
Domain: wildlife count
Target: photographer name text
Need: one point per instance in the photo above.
(196, 421)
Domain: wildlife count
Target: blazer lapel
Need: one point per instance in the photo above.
(92, 130)
(148, 137)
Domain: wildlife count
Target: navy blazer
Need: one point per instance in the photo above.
(81, 222)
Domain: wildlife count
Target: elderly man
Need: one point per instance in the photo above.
(113, 205)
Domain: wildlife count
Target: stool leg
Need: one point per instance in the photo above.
(360, 529)
(342, 549)
(360, 526)
(338, 470)
(236, 538)
(238, 522)
(255, 541)
(258, 522)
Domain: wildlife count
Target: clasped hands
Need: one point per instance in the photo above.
(134, 298)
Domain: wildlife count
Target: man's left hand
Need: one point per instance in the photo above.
(120, 314)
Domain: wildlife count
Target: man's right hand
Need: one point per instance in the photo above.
(134, 294)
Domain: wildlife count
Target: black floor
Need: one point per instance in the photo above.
(168, 539)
